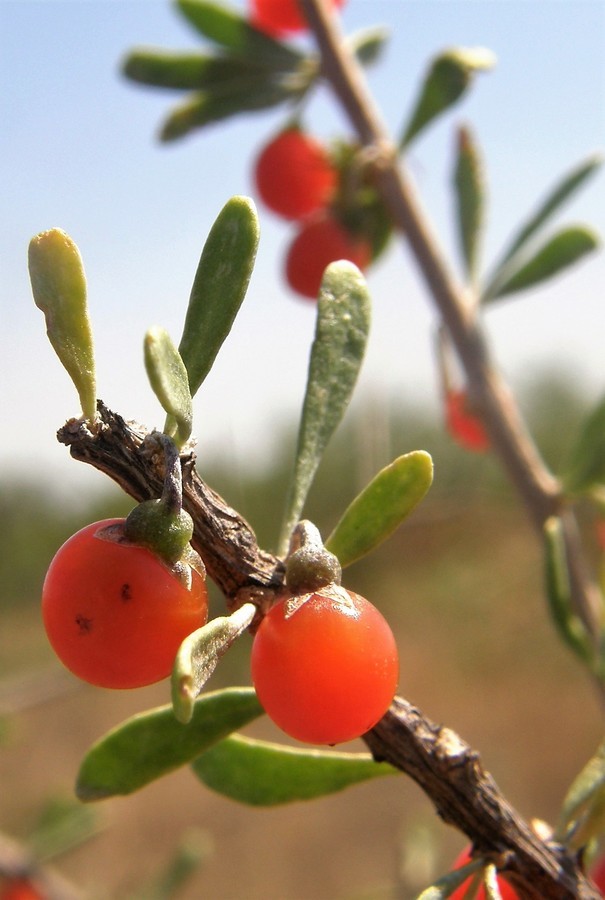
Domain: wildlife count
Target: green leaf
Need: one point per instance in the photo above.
(229, 99)
(561, 192)
(219, 286)
(583, 812)
(61, 825)
(194, 849)
(558, 592)
(198, 657)
(59, 288)
(188, 71)
(153, 743)
(469, 188)
(226, 26)
(368, 44)
(341, 332)
(264, 774)
(586, 466)
(564, 249)
(168, 378)
(447, 79)
(381, 507)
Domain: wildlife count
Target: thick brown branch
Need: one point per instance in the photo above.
(466, 796)
(437, 759)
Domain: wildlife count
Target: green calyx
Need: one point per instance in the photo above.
(309, 565)
(166, 533)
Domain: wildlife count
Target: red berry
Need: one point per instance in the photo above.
(20, 889)
(114, 612)
(598, 875)
(463, 424)
(294, 175)
(506, 891)
(325, 670)
(279, 17)
(318, 243)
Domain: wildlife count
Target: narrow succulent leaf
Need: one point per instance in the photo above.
(446, 885)
(556, 197)
(198, 657)
(368, 44)
(343, 323)
(586, 466)
(583, 812)
(469, 188)
(230, 99)
(265, 774)
(59, 288)
(219, 286)
(381, 507)
(168, 378)
(187, 71)
(558, 592)
(563, 249)
(449, 76)
(153, 743)
(227, 27)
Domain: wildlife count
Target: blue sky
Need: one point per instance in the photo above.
(78, 151)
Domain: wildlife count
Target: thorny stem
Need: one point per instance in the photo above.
(537, 487)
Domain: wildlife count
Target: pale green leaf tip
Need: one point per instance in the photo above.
(472, 57)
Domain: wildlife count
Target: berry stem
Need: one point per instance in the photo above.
(309, 565)
(172, 492)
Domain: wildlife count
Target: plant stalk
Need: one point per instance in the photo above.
(539, 490)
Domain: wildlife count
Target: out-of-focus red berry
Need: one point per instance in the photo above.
(294, 175)
(597, 875)
(280, 17)
(20, 889)
(319, 242)
(506, 891)
(463, 425)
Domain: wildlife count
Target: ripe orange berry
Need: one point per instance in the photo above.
(325, 670)
(463, 425)
(319, 242)
(294, 175)
(280, 17)
(114, 613)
